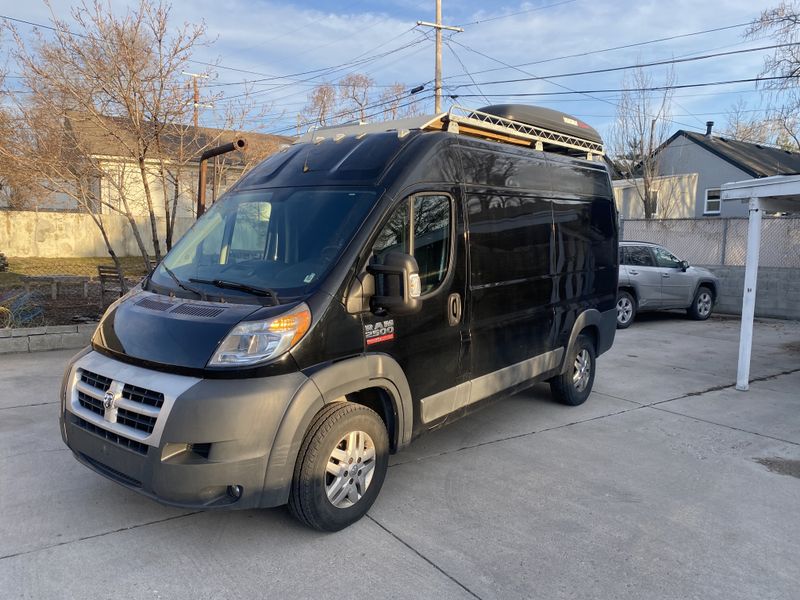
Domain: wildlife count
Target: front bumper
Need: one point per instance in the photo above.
(180, 440)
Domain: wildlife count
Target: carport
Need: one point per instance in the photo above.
(780, 193)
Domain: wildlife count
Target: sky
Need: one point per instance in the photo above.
(291, 47)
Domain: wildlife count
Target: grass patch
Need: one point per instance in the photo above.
(81, 267)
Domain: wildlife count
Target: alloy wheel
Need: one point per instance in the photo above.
(582, 370)
(350, 468)
(624, 310)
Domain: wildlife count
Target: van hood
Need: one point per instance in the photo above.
(171, 331)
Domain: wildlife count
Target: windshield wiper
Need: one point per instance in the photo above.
(182, 285)
(242, 287)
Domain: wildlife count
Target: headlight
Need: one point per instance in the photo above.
(251, 342)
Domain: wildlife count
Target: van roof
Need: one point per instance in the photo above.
(541, 129)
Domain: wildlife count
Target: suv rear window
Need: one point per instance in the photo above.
(637, 256)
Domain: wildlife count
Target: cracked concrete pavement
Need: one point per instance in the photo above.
(667, 483)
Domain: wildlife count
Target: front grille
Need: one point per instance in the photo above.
(90, 403)
(110, 436)
(112, 473)
(142, 396)
(100, 382)
(135, 420)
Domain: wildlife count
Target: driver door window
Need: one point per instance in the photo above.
(666, 260)
(427, 240)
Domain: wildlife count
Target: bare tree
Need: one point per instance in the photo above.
(641, 126)
(782, 23)
(118, 75)
(749, 125)
(396, 103)
(355, 90)
(321, 107)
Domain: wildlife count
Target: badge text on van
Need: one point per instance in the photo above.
(382, 331)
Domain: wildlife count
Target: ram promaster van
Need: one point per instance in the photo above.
(366, 285)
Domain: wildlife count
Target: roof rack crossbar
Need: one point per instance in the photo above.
(501, 128)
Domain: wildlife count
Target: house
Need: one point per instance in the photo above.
(692, 166)
(103, 152)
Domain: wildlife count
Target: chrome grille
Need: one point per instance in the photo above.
(90, 403)
(96, 381)
(142, 396)
(135, 420)
(122, 413)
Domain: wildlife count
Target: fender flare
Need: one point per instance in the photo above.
(323, 386)
(587, 318)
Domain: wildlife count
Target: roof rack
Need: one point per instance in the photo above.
(470, 122)
(460, 119)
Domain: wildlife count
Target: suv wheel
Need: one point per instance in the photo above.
(626, 310)
(340, 468)
(574, 386)
(701, 306)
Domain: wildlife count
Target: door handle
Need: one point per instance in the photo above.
(453, 309)
(665, 275)
(632, 272)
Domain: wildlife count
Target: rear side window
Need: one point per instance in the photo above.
(420, 226)
(509, 237)
(638, 256)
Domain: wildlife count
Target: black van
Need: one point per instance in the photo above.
(366, 285)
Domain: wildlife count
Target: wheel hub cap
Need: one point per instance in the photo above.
(582, 371)
(350, 468)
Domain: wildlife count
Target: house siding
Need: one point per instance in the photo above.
(683, 156)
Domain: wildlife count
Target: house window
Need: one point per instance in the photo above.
(713, 202)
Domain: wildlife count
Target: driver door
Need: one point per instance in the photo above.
(427, 344)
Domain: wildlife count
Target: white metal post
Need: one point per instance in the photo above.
(749, 295)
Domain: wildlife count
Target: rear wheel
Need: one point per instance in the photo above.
(626, 310)
(340, 468)
(574, 385)
(701, 306)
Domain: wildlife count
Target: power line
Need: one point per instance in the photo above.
(514, 14)
(449, 47)
(634, 66)
(613, 48)
(623, 90)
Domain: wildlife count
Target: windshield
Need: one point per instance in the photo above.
(279, 240)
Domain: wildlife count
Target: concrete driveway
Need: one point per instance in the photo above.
(667, 483)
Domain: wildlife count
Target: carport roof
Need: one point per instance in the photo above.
(780, 193)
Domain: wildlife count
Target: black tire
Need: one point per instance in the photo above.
(565, 388)
(308, 499)
(702, 304)
(626, 309)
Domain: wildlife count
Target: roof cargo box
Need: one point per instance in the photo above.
(545, 118)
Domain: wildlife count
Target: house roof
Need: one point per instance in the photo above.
(113, 136)
(754, 159)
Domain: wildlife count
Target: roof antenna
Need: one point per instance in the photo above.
(709, 127)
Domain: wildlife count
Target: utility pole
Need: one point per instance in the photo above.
(437, 90)
(196, 104)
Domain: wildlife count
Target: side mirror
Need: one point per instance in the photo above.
(684, 265)
(397, 285)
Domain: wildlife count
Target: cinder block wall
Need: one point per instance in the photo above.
(777, 291)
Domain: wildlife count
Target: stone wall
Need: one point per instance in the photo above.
(777, 291)
(51, 337)
(68, 235)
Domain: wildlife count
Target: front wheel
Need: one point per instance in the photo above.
(574, 385)
(701, 306)
(340, 468)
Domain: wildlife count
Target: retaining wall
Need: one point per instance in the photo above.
(51, 337)
(31, 234)
(777, 291)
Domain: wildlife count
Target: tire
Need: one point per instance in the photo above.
(702, 304)
(574, 386)
(343, 433)
(626, 310)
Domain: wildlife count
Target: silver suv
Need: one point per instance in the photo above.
(652, 278)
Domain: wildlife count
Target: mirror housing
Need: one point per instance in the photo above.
(684, 265)
(397, 285)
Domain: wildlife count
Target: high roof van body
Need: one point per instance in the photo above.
(360, 288)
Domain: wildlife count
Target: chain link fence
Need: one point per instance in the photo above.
(720, 241)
